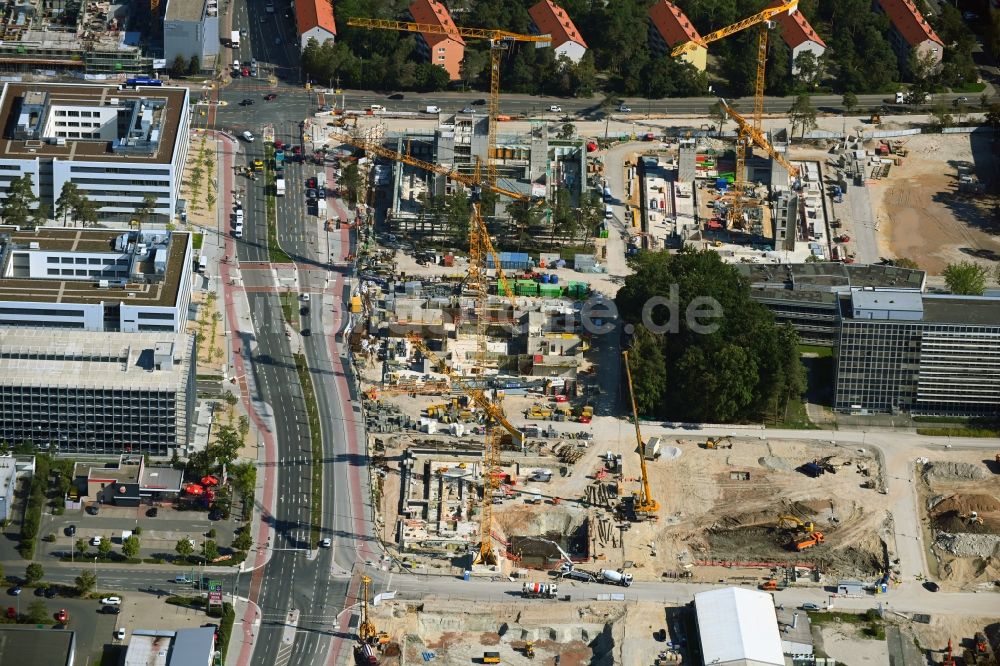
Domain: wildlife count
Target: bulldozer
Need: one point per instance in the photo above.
(813, 539)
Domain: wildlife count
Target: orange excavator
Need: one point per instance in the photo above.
(810, 541)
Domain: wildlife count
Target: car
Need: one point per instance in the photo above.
(931, 586)
(244, 33)
(478, 102)
(235, 73)
(110, 610)
(93, 509)
(297, 150)
(70, 530)
(11, 613)
(246, 102)
(248, 136)
(62, 616)
(270, 97)
(152, 513)
(624, 109)
(321, 193)
(182, 580)
(253, 62)
(16, 590)
(95, 541)
(961, 100)
(245, 71)
(51, 592)
(468, 109)
(120, 633)
(304, 297)
(396, 96)
(306, 332)
(311, 193)
(326, 543)
(326, 108)
(809, 607)
(215, 514)
(555, 108)
(304, 311)
(40, 591)
(310, 182)
(112, 601)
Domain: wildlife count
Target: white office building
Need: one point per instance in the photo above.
(117, 145)
(95, 280)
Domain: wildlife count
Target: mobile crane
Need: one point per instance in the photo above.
(641, 505)
(369, 637)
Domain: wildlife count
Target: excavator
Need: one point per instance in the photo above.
(806, 526)
(718, 442)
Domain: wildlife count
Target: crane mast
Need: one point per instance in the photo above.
(644, 505)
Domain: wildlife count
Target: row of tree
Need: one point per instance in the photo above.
(23, 208)
(859, 57)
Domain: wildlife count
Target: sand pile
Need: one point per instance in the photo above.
(954, 471)
(964, 504)
(775, 464)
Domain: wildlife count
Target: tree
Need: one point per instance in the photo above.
(86, 582)
(966, 278)
(210, 550)
(850, 102)
(649, 371)
(19, 202)
(802, 114)
(244, 478)
(105, 547)
(80, 546)
(351, 180)
(130, 547)
(87, 212)
(942, 118)
(807, 69)
(38, 612)
(184, 547)
(34, 573)
(993, 116)
(146, 209)
(69, 201)
(194, 66)
(243, 540)
(996, 278)
(179, 66)
(718, 112)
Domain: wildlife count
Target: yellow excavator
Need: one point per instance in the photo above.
(641, 505)
(806, 526)
(718, 442)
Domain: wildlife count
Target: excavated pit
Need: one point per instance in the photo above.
(541, 535)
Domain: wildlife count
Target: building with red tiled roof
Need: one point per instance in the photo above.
(550, 19)
(314, 20)
(669, 27)
(911, 34)
(446, 51)
(798, 34)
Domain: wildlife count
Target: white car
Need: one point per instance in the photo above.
(248, 136)
(112, 601)
(325, 543)
(96, 541)
(555, 108)
(624, 109)
(304, 297)
(120, 633)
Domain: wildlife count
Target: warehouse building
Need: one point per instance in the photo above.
(95, 280)
(100, 393)
(738, 627)
(191, 28)
(116, 145)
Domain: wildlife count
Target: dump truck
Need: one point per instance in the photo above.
(613, 577)
(539, 590)
(810, 541)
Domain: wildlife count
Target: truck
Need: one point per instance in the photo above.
(432, 109)
(279, 187)
(321, 209)
(321, 180)
(613, 577)
(539, 590)
(234, 39)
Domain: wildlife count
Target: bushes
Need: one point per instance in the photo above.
(226, 628)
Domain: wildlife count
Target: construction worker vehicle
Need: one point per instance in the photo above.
(772, 585)
(491, 658)
(718, 443)
(539, 590)
(539, 411)
(812, 540)
(806, 526)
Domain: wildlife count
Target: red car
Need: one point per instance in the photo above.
(310, 182)
(11, 613)
(297, 151)
(278, 144)
(584, 419)
(270, 97)
(62, 616)
(246, 71)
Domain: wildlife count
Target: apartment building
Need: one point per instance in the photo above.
(911, 35)
(798, 34)
(551, 19)
(314, 20)
(116, 145)
(95, 279)
(670, 27)
(101, 393)
(445, 51)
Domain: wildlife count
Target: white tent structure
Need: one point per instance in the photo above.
(738, 626)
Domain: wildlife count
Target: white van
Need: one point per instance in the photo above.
(239, 216)
(239, 229)
(608, 213)
(202, 263)
(247, 136)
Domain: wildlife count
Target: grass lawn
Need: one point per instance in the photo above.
(821, 352)
(289, 308)
(309, 397)
(795, 417)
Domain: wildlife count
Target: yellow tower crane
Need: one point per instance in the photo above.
(744, 139)
(759, 139)
(499, 40)
(643, 504)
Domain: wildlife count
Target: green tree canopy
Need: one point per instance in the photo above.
(86, 582)
(130, 547)
(741, 367)
(184, 547)
(965, 277)
(34, 573)
(17, 207)
(38, 612)
(105, 547)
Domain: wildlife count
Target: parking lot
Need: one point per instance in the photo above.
(94, 630)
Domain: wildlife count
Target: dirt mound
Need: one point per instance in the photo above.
(953, 471)
(965, 504)
(969, 545)
(952, 521)
(775, 464)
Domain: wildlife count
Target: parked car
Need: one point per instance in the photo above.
(51, 592)
(809, 607)
(931, 586)
(62, 616)
(95, 541)
(112, 601)
(555, 108)
(16, 590)
(624, 109)
(321, 193)
(215, 514)
(306, 332)
(270, 97)
(247, 102)
(71, 530)
(110, 610)
(120, 633)
(152, 513)
(248, 136)
(40, 591)
(310, 182)
(11, 613)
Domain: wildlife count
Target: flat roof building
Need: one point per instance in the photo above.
(95, 279)
(314, 20)
(184, 647)
(551, 19)
(116, 145)
(739, 627)
(446, 51)
(102, 393)
(670, 27)
(191, 28)
(26, 644)
(8, 481)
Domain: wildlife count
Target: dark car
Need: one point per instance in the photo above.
(321, 193)
(311, 193)
(51, 592)
(11, 612)
(16, 590)
(931, 586)
(304, 311)
(479, 102)
(152, 513)
(396, 96)
(111, 610)
(215, 514)
(247, 102)
(40, 591)
(270, 97)
(70, 530)
(306, 332)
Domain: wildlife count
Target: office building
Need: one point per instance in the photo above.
(445, 51)
(101, 393)
(116, 145)
(95, 280)
(670, 27)
(551, 19)
(911, 35)
(191, 28)
(902, 351)
(8, 482)
(314, 20)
